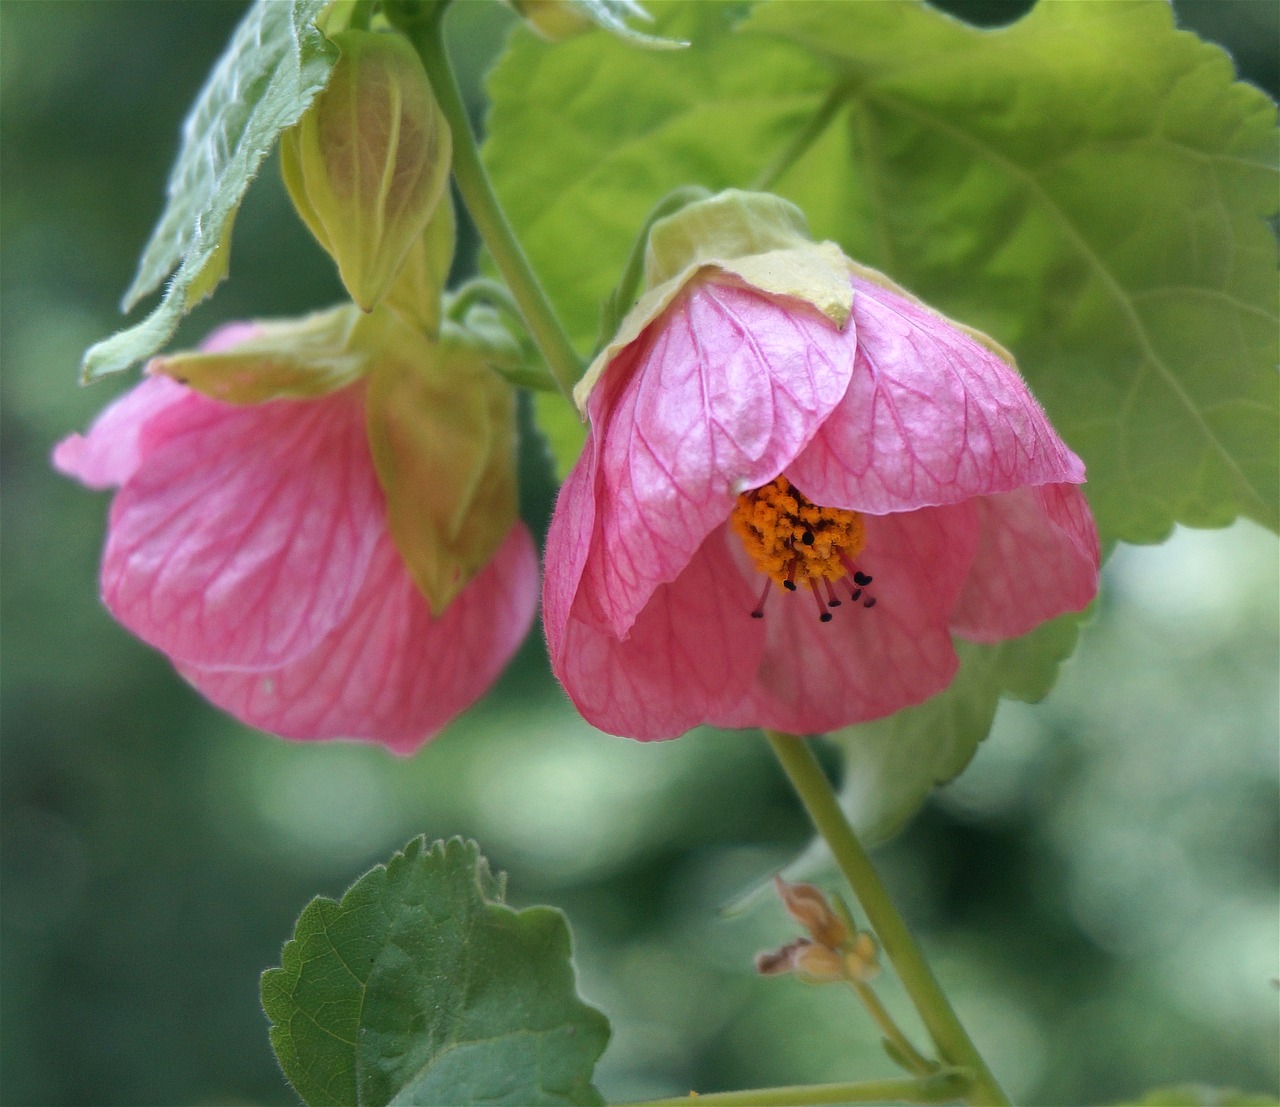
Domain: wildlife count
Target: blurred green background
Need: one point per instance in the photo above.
(1098, 891)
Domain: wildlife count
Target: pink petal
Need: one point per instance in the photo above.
(245, 534)
(866, 663)
(930, 417)
(227, 336)
(690, 654)
(390, 673)
(1037, 557)
(108, 455)
(717, 396)
(568, 543)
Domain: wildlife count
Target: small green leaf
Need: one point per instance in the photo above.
(422, 987)
(275, 64)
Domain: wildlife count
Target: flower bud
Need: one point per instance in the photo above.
(861, 960)
(368, 162)
(415, 294)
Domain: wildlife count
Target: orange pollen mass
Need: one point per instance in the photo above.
(795, 542)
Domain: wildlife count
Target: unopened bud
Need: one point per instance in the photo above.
(809, 907)
(369, 160)
(820, 965)
(775, 962)
(862, 958)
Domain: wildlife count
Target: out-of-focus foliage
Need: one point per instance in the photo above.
(1097, 891)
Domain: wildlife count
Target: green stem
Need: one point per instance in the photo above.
(949, 1036)
(890, 1029)
(942, 1088)
(490, 220)
(803, 139)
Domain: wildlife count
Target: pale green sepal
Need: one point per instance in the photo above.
(294, 359)
(730, 224)
(416, 292)
(442, 433)
(753, 237)
(367, 164)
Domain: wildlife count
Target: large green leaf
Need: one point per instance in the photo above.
(1089, 185)
(273, 67)
(422, 987)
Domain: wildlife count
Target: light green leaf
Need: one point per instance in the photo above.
(1087, 185)
(275, 64)
(422, 987)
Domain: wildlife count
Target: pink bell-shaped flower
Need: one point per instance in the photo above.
(798, 485)
(250, 543)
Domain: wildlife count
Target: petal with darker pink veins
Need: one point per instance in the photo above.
(866, 662)
(931, 416)
(717, 396)
(245, 535)
(1037, 557)
(108, 454)
(691, 653)
(391, 673)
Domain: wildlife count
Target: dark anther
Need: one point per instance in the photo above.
(855, 594)
(807, 538)
(833, 603)
(757, 614)
(825, 617)
(869, 603)
(789, 585)
(861, 579)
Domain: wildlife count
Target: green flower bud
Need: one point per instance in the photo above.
(416, 292)
(368, 162)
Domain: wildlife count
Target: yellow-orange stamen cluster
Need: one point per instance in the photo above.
(795, 542)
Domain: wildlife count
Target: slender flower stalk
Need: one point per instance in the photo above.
(490, 220)
(941, 1088)
(949, 1036)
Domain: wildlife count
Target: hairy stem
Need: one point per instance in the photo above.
(949, 1037)
(490, 220)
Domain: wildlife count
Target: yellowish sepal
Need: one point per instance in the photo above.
(416, 292)
(295, 359)
(756, 239)
(443, 436)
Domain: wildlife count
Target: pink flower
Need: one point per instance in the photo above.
(893, 481)
(250, 544)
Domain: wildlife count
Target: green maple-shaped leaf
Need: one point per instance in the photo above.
(422, 987)
(1089, 185)
(276, 63)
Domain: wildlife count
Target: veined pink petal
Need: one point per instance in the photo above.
(717, 396)
(930, 417)
(688, 656)
(108, 454)
(866, 663)
(568, 542)
(245, 537)
(1037, 557)
(390, 673)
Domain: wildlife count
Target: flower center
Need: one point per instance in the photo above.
(794, 542)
